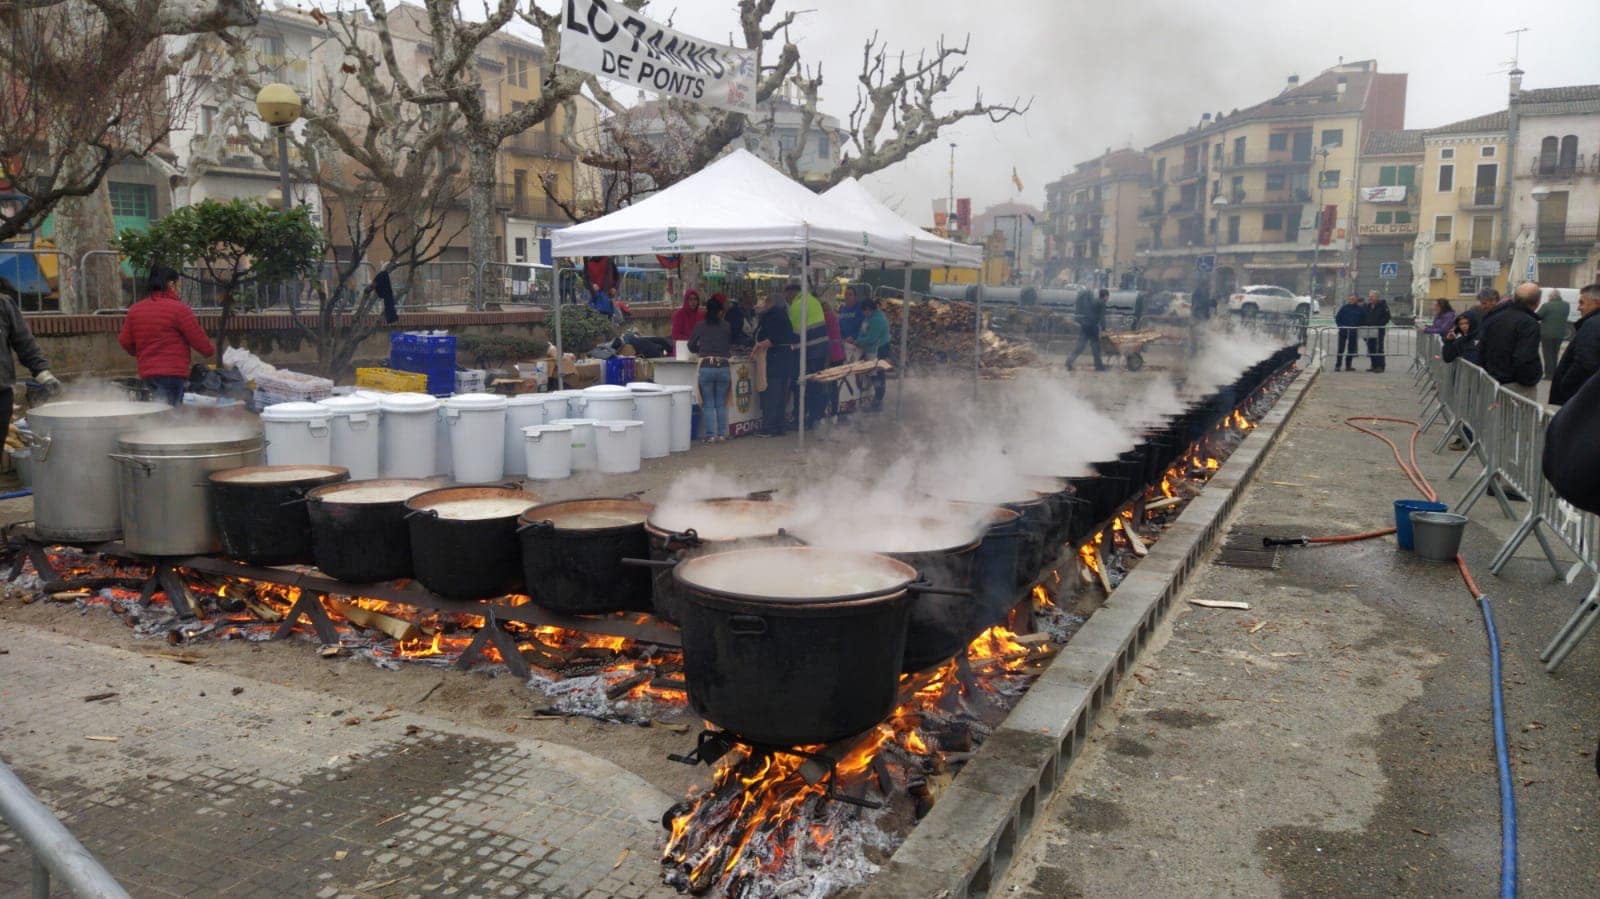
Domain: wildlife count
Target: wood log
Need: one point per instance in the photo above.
(396, 628)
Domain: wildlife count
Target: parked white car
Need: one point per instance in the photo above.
(1269, 299)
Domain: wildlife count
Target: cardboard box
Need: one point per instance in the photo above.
(515, 386)
(644, 370)
(587, 373)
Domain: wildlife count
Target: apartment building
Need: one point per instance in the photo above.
(1555, 183)
(1270, 190)
(1019, 226)
(1093, 219)
(1462, 209)
(1388, 211)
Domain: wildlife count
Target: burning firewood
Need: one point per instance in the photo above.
(396, 628)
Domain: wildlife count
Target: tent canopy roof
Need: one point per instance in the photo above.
(928, 249)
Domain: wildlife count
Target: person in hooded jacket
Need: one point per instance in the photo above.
(687, 316)
(1509, 342)
(160, 332)
(1581, 359)
(16, 337)
(1349, 319)
(1375, 318)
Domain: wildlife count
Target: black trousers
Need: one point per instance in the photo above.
(1087, 340)
(1349, 345)
(8, 396)
(1375, 350)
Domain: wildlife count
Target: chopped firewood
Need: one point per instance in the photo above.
(329, 651)
(1100, 571)
(96, 697)
(396, 628)
(1158, 504)
(180, 657)
(621, 857)
(1220, 604)
(1258, 626)
(99, 739)
(340, 855)
(262, 610)
(540, 655)
(1139, 549)
(1032, 639)
(621, 687)
(942, 333)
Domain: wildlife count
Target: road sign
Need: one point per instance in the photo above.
(1388, 271)
(1205, 264)
(1533, 268)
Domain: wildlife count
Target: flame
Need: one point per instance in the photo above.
(1042, 598)
(1167, 490)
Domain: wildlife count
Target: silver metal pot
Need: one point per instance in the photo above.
(164, 490)
(74, 477)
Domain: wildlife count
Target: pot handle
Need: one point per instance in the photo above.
(40, 445)
(415, 512)
(921, 587)
(688, 538)
(546, 525)
(747, 625)
(761, 496)
(299, 500)
(144, 466)
(650, 563)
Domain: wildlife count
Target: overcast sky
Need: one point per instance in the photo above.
(1117, 73)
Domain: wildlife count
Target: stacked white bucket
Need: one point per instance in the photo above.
(483, 438)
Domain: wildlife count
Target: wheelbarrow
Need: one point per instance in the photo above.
(1129, 345)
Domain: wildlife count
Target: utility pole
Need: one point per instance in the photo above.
(1316, 246)
(951, 198)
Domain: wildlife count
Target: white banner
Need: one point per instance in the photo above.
(1396, 194)
(637, 51)
(1484, 268)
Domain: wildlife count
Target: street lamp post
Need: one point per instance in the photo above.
(1539, 193)
(1218, 203)
(279, 106)
(1316, 246)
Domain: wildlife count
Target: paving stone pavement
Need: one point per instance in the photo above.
(206, 784)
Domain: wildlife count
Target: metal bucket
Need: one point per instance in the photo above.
(1402, 517)
(163, 489)
(1437, 535)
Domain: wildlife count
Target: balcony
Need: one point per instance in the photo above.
(1395, 229)
(1468, 250)
(1562, 236)
(1149, 213)
(530, 203)
(1084, 232)
(1555, 170)
(1273, 198)
(538, 143)
(1187, 175)
(1480, 197)
(1284, 159)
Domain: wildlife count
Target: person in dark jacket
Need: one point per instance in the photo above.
(1582, 357)
(1091, 314)
(1349, 319)
(739, 318)
(1375, 317)
(1509, 342)
(160, 332)
(1461, 342)
(1552, 330)
(778, 338)
(1488, 298)
(18, 339)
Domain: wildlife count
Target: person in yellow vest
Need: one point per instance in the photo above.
(808, 309)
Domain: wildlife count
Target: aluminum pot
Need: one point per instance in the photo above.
(788, 646)
(261, 510)
(75, 498)
(464, 540)
(690, 529)
(163, 489)
(358, 528)
(572, 555)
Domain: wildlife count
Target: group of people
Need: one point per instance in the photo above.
(1358, 322)
(773, 332)
(1518, 340)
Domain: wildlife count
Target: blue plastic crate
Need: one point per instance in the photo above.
(423, 343)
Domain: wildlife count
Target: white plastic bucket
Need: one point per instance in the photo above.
(617, 446)
(408, 436)
(548, 451)
(655, 410)
(354, 428)
(604, 402)
(583, 453)
(571, 404)
(477, 423)
(525, 411)
(682, 418)
(297, 434)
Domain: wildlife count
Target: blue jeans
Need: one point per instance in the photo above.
(714, 386)
(168, 388)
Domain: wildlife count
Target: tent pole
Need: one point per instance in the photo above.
(561, 382)
(805, 307)
(905, 339)
(977, 325)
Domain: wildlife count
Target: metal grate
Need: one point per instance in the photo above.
(1244, 549)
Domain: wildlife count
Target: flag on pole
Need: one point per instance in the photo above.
(1016, 179)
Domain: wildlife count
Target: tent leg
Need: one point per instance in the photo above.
(805, 309)
(905, 342)
(561, 382)
(977, 327)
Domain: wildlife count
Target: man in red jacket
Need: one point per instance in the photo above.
(159, 332)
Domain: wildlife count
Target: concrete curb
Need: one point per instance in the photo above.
(967, 841)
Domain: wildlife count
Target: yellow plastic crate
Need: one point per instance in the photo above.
(391, 381)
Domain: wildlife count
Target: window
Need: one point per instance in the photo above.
(1402, 218)
(1274, 181)
(1161, 170)
(1548, 148)
(521, 252)
(1486, 152)
(519, 185)
(822, 144)
(1384, 218)
(1569, 153)
(1233, 229)
(1447, 153)
(1333, 137)
(1279, 141)
(132, 200)
(1442, 227)
(1396, 175)
(208, 119)
(1395, 218)
(1272, 221)
(1236, 189)
(1329, 178)
(1238, 151)
(517, 70)
(1447, 178)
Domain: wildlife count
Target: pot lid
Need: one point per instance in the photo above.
(278, 474)
(296, 412)
(476, 401)
(619, 425)
(408, 402)
(723, 519)
(590, 514)
(565, 394)
(646, 387)
(606, 391)
(532, 399)
(577, 422)
(345, 405)
(61, 409)
(551, 428)
(794, 575)
(373, 491)
(678, 388)
(185, 438)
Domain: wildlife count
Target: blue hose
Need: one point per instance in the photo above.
(17, 494)
(1508, 799)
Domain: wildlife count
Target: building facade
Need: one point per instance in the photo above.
(1269, 191)
(1388, 211)
(1462, 189)
(1094, 225)
(1555, 183)
(1018, 225)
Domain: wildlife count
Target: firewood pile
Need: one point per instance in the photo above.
(941, 334)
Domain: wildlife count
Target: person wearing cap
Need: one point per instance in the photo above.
(160, 332)
(808, 309)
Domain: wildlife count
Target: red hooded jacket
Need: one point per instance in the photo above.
(159, 332)
(684, 319)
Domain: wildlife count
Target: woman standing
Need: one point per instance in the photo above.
(159, 332)
(712, 341)
(687, 316)
(1444, 318)
(873, 341)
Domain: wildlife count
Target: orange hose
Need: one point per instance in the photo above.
(1352, 538)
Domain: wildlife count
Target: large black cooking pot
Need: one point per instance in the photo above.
(572, 555)
(358, 528)
(788, 646)
(943, 623)
(688, 529)
(464, 540)
(995, 569)
(261, 514)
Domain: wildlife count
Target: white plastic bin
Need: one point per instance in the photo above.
(521, 412)
(583, 453)
(408, 436)
(297, 434)
(682, 418)
(354, 427)
(548, 449)
(477, 437)
(617, 445)
(655, 410)
(604, 402)
(569, 408)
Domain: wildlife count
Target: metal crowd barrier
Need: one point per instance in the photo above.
(1506, 433)
(55, 850)
(1399, 342)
